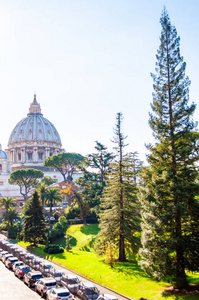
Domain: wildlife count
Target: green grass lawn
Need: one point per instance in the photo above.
(126, 278)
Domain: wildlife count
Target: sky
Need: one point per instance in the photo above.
(87, 60)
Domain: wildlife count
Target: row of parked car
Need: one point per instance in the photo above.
(47, 281)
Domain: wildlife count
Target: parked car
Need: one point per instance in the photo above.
(87, 291)
(58, 293)
(27, 258)
(21, 270)
(57, 274)
(6, 257)
(10, 261)
(71, 282)
(45, 268)
(2, 254)
(107, 297)
(31, 277)
(44, 284)
(17, 264)
(35, 264)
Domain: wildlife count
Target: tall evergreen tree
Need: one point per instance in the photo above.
(119, 217)
(34, 227)
(170, 215)
(100, 161)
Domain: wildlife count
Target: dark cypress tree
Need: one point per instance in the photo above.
(170, 214)
(119, 217)
(34, 227)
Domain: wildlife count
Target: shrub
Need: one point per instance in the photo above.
(52, 249)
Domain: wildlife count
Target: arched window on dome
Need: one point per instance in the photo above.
(0, 168)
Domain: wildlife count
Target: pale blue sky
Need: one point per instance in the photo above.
(87, 60)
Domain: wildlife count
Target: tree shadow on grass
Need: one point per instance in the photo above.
(192, 292)
(62, 242)
(89, 229)
(130, 269)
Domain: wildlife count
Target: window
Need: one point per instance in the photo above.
(29, 156)
(40, 156)
(0, 167)
(19, 156)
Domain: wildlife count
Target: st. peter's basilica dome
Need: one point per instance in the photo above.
(33, 139)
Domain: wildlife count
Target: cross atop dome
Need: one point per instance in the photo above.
(35, 106)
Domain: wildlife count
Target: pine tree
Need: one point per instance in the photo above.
(170, 214)
(34, 228)
(119, 218)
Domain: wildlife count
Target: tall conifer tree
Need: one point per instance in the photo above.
(34, 227)
(119, 217)
(170, 215)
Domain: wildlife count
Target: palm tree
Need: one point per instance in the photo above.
(43, 191)
(10, 216)
(52, 196)
(7, 203)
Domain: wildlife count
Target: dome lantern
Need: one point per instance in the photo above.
(35, 107)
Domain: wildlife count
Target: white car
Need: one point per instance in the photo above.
(106, 297)
(71, 282)
(45, 284)
(6, 257)
(17, 264)
(10, 261)
(59, 293)
(2, 254)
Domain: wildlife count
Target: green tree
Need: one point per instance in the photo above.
(100, 161)
(7, 202)
(34, 227)
(10, 216)
(66, 163)
(119, 217)
(26, 179)
(47, 180)
(52, 196)
(42, 190)
(75, 192)
(170, 213)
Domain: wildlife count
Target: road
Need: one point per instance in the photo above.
(13, 288)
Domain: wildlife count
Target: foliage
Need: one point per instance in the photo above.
(76, 193)
(100, 161)
(52, 196)
(13, 231)
(58, 230)
(121, 278)
(52, 249)
(10, 215)
(34, 228)
(47, 180)
(68, 239)
(72, 211)
(119, 215)
(110, 253)
(42, 190)
(66, 163)
(170, 213)
(6, 203)
(25, 179)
